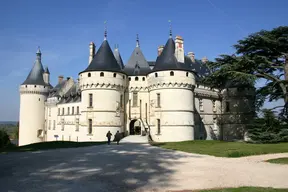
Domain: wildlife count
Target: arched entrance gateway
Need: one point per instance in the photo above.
(135, 127)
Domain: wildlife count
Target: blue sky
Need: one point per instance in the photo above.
(64, 29)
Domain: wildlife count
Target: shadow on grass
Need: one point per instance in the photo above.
(48, 145)
(124, 167)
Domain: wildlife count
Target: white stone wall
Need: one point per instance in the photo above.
(176, 105)
(32, 113)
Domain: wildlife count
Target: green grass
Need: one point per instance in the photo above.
(225, 149)
(246, 189)
(49, 145)
(283, 160)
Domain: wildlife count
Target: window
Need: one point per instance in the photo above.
(187, 74)
(54, 124)
(35, 86)
(123, 77)
(90, 100)
(214, 105)
(158, 127)
(62, 124)
(90, 126)
(77, 124)
(146, 112)
(129, 78)
(201, 108)
(63, 111)
(101, 74)
(135, 98)
(68, 112)
(49, 124)
(158, 100)
(143, 78)
(136, 78)
(114, 75)
(156, 74)
(227, 107)
(172, 73)
(72, 110)
(49, 112)
(77, 109)
(58, 111)
(121, 101)
(89, 74)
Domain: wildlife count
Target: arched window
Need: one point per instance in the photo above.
(143, 78)
(114, 75)
(136, 78)
(35, 86)
(101, 74)
(171, 73)
(187, 74)
(156, 74)
(129, 78)
(89, 74)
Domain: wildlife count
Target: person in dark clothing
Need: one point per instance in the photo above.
(117, 137)
(108, 135)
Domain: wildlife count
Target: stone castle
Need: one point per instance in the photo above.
(163, 99)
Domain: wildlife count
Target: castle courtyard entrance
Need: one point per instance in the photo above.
(135, 127)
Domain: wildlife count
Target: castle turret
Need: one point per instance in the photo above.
(46, 76)
(118, 56)
(102, 86)
(33, 94)
(170, 83)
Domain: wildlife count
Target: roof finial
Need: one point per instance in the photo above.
(170, 26)
(38, 50)
(137, 40)
(105, 30)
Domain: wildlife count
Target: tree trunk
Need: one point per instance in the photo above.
(285, 85)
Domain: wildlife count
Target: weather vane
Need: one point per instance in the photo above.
(137, 40)
(170, 26)
(105, 30)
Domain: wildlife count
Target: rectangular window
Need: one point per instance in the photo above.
(49, 112)
(158, 127)
(77, 124)
(214, 105)
(78, 110)
(49, 124)
(68, 112)
(121, 101)
(90, 100)
(135, 99)
(62, 124)
(58, 111)
(146, 111)
(201, 107)
(158, 100)
(62, 111)
(72, 110)
(54, 124)
(227, 107)
(90, 126)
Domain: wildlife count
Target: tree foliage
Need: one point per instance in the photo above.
(4, 139)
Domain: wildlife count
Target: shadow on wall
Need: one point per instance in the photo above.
(200, 132)
(99, 168)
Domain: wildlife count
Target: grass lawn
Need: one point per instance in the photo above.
(225, 149)
(49, 145)
(246, 189)
(283, 160)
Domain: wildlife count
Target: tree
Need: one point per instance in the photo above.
(4, 139)
(262, 55)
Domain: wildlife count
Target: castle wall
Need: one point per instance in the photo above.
(32, 113)
(171, 119)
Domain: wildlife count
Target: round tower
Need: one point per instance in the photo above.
(33, 94)
(238, 109)
(102, 86)
(171, 85)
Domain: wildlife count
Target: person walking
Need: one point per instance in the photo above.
(108, 135)
(117, 137)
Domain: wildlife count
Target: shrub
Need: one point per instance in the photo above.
(4, 139)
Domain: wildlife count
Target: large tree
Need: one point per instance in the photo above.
(262, 55)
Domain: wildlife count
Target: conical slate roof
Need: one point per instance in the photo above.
(35, 76)
(118, 57)
(167, 59)
(104, 60)
(137, 64)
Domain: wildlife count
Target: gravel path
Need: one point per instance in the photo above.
(133, 167)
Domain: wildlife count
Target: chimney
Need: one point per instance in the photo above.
(204, 59)
(160, 49)
(91, 52)
(179, 49)
(191, 55)
(60, 78)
